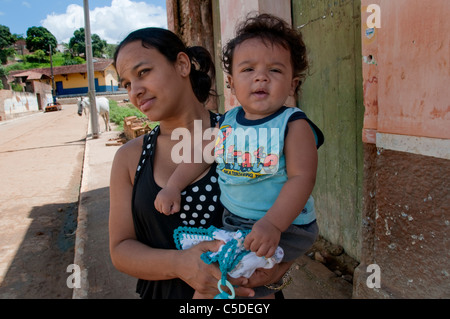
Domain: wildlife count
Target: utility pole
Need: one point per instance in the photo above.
(53, 78)
(90, 71)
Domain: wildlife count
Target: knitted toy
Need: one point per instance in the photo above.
(234, 260)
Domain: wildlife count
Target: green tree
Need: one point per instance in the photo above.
(39, 38)
(77, 44)
(98, 46)
(6, 40)
(110, 49)
(3, 74)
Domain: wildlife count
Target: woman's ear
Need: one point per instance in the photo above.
(183, 64)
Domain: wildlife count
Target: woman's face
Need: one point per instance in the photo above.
(151, 80)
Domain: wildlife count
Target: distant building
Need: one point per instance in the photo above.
(21, 47)
(71, 79)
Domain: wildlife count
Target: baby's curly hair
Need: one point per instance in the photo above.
(274, 30)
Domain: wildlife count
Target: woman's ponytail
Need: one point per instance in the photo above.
(202, 72)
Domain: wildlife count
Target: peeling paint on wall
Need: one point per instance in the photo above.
(19, 103)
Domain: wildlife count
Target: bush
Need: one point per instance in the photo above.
(118, 113)
(16, 87)
(39, 56)
(73, 61)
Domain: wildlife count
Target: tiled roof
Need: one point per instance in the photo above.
(100, 65)
(31, 75)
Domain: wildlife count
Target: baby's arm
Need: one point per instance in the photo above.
(301, 165)
(168, 199)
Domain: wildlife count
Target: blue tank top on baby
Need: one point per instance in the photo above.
(251, 162)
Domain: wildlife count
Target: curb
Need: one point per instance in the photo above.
(81, 233)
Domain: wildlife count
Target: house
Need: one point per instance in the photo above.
(380, 94)
(37, 83)
(72, 79)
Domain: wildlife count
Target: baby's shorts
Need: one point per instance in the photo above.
(295, 241)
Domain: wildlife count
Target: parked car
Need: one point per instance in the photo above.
(53, 107)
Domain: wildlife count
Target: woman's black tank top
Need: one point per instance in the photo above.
(200, 207)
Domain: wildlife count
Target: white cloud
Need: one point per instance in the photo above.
(111, 23)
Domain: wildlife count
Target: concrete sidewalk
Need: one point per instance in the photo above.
(99, 278)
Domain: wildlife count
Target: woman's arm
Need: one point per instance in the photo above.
(129, 255)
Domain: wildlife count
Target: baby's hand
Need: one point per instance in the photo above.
(168, 201)
(263, 239)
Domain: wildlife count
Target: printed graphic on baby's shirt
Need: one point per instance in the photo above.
(247, 153)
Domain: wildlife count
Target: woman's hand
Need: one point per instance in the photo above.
(203, 277)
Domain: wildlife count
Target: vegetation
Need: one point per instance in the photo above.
(6, 40)
(3, 73)
(39, 41)
(77, 44)
(118, 113)
(33, 61)
(16, 87)
(39, 38)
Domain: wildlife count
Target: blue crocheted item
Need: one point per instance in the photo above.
(228, 256)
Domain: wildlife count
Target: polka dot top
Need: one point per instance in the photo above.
(200, 207)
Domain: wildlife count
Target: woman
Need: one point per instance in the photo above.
(169, 83)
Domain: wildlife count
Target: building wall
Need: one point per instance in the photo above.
(404, 201)
(77, 83)
(14, 104)
(109, 81)
(43, 91)
(407, 151)
(192, 21)
(332, 98)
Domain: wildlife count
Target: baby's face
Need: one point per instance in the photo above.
(262, 77)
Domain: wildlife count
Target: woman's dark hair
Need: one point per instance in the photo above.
(272, 30)
(169, 45)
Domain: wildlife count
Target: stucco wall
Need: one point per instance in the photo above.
(13, 104)
(77, 83)
(406, 69)
(407, 150)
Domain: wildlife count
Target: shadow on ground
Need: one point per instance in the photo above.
(38, 269)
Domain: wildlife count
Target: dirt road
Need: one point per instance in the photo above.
(40, 171)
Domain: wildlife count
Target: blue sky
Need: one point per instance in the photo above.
(112, 20)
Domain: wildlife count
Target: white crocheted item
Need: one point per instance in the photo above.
(233, 258)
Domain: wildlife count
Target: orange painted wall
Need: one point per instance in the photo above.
(406, 83)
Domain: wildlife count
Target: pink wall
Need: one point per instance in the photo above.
(407, 81)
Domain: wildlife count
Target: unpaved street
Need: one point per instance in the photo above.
(41, 160)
